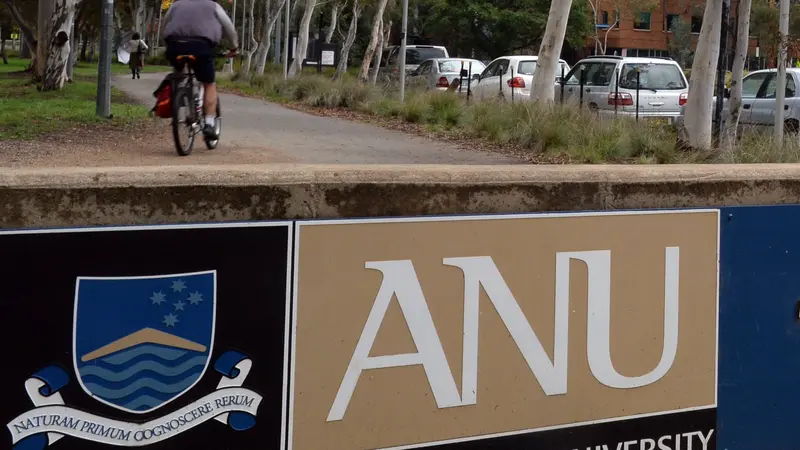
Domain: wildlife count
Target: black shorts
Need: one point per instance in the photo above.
(201, 49)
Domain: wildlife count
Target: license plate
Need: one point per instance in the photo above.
(659, 121)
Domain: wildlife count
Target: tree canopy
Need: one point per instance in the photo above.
(494, 28)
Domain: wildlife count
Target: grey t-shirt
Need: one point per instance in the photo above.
(199, 18)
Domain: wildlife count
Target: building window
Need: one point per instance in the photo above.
(672, 21)
(604, 18)
(642, 22)
(697, 24)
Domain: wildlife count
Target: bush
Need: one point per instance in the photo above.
(546, 132)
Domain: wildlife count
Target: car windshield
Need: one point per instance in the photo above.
(417, 55)
(454, 66)
(652, 76)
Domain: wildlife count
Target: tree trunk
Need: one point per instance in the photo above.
(45, 36)
(272, 16)
(363, 74)
(385, 32)
(302, 40)
(59, 49)
(696, 131)
(73, 52)
(3, 45)
(780, 84)
(735, 102)
(84, 44)
(543, 88)
(248, 60)
(139, 16)
(341, 68)
(334, 22)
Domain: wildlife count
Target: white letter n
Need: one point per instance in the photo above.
(399, 278)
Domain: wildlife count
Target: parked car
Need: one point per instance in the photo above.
(758, 100)
(440, 73)
(610, 86)
(509, 73)
(415, 55)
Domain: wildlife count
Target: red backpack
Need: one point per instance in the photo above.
(163, 95)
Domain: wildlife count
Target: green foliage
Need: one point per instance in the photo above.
(680, 46)
(495, 28)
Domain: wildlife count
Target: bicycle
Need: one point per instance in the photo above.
(186, 94)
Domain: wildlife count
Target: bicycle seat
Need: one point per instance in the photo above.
(189, 57)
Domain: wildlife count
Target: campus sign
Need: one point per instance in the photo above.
(581, 331)
(443, 331)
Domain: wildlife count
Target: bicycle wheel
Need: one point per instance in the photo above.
(183, 121)
(211, 144)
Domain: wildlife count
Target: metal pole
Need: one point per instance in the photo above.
(288, 13)
(616, 92)
(638, 84)
(721, 69)
(512, 85)
(403, 38)
(469, 82)
(104, 69)
(582, 84)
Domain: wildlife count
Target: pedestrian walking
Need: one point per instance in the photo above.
(137, 48)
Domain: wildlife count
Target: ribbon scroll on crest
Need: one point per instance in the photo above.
(51, 419)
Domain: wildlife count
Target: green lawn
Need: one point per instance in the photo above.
(82, 68)
(27, 113)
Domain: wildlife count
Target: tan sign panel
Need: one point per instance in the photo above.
(414, 331)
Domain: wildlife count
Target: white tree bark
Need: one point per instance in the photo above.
(378, 56)
(696, 131)
(248, 59)
(302, 40)
(735, 101)
(73, 51)
(543, 88)
(139, 17)
(272, 15)
(352, 31)
(363, 74)
(60, 23)
(334, 22)
(780, 86)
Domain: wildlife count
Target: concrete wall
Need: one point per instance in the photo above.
(157, 195)
(309, 286)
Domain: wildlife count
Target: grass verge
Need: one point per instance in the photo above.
(540, 133)
(27, 113)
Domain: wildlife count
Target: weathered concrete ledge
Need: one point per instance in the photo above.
(174, 194)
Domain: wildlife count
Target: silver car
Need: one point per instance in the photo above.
(440, 73)
(610, 87)
(759, 102)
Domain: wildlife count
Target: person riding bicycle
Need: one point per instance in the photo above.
(195, 27)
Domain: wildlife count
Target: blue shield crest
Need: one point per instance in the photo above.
(141, 342)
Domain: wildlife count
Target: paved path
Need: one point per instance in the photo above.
(287, 135)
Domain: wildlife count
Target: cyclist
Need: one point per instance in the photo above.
(195, 27)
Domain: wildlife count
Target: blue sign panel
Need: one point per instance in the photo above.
(759, 359)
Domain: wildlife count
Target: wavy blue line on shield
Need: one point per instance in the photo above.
(142, 342)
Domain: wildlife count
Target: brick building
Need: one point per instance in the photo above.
(650, 33)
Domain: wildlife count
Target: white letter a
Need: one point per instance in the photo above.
(399, 278)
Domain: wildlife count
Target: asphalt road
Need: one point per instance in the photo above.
(285, 135)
